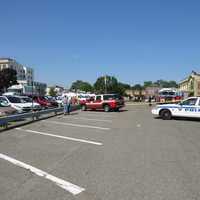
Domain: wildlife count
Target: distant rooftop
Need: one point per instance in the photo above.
(192, 73)
(9, 59)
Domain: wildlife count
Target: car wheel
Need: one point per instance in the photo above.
(106, 108)
(116, 109)
(83, 107)
(166, 115)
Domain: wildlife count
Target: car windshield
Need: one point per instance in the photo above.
(47, 98)
(189, 102)
(43, 99)
(26, 100)
(167, 93)
(14, 99)
(111, 97)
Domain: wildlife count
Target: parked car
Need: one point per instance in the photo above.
(35, 106)
(6, 109)
(189, 108)
(107, 102)
(16, 103)
(42, 101)
(51, 100)
(59, 100)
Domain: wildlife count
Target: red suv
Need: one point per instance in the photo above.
(107, 102)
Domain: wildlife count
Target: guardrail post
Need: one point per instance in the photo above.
(37, 117)
(33, 116)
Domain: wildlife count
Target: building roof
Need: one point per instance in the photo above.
(187, 78)
(9, 59)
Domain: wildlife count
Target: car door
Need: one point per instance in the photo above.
(98, 102)
(188, 108)
(90, 102)
(198, 108)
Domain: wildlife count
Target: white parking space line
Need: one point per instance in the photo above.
(73, 189)
(61, 137)
(76, 125)
(89, 119)
(104, 115)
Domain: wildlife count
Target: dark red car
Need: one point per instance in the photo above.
(52, 101)
(42, 101)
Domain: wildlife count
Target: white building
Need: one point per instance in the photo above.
(25, 78)
(58, 89)
(29, 75)
(25, 75)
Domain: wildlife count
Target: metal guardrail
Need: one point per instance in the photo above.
(33, 115)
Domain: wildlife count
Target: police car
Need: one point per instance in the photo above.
(187, 108)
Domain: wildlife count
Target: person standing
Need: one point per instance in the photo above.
(150, 98)
(66, 104)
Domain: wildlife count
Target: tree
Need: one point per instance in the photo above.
(109, 84)
(106, 84)
(81, 86)
(137, 87)
(166, 84)
(8, 77)
(52, 92)
(148, 83)
(173, 84)
(125, 85)
(121, 88)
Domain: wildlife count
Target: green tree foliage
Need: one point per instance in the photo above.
(148, 83)
(161, 83)
(8, 77)
(81, 86)
(106, 84)
(166, 84)
(109, 84)
(52, 92)
(137, 87)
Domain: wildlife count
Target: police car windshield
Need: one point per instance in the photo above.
(190, 102)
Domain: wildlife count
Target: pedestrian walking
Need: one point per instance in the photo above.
(150, 101)
(66, 104)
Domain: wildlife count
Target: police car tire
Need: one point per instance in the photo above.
(166, 115)
(83, 107)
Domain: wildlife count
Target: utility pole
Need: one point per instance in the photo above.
(32, 93)
(105, 81)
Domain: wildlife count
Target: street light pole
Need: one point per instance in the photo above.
(105, 81)
(32, 94)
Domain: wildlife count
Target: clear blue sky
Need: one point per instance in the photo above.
(134, 40)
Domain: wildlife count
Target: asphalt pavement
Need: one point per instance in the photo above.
(93, 155)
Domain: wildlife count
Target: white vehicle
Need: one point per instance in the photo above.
(16, 103)
(59, 100)
(34, 106)
(10, 94)
(187, 108)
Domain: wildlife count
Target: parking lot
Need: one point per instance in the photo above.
(93, 155)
